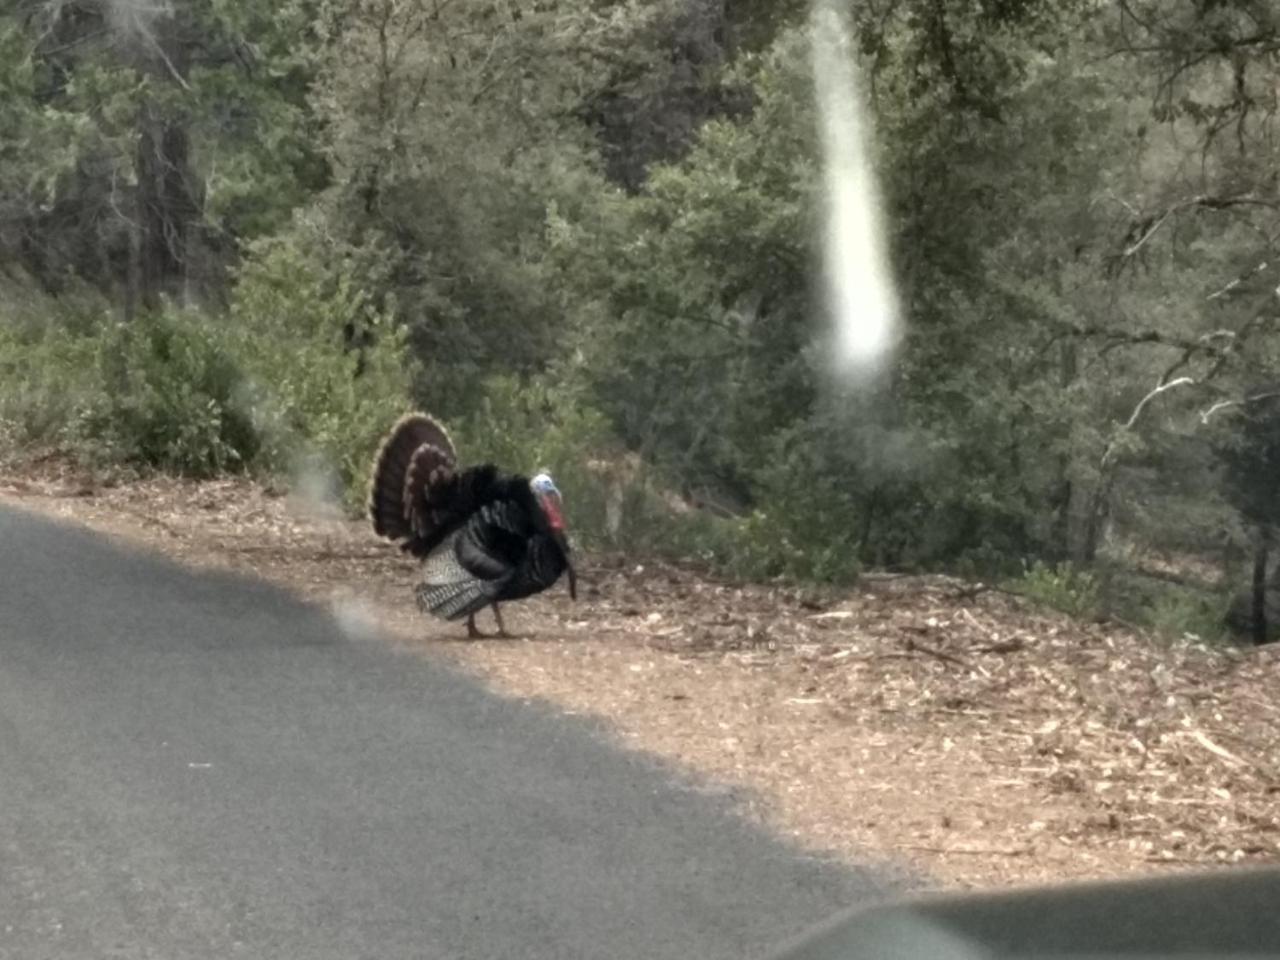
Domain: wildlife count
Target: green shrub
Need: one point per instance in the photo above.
(1180, 613)
(533, 424)
(153, 392)
(1173, 608)
(168, 396)
(46, 377)
(273, 387)
(1063, 587)
(315, 399)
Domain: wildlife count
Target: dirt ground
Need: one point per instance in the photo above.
(917, 719)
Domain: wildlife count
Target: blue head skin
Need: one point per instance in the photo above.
(548, 497)
(542, 486)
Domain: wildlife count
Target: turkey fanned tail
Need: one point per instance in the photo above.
(415, 461)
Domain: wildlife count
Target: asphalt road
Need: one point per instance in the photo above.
(199, 766)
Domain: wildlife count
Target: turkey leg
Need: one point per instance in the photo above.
(502, 630)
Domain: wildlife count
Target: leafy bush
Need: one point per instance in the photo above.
(1181, 613)
(537, 424)
(1174, 607)
(1063, 587)
(155, 392)
(275, 386)
(325, 369)
(168, 397)
(45, 378)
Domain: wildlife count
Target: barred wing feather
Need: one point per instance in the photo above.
(449, 589)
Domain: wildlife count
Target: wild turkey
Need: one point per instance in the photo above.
(483, 536)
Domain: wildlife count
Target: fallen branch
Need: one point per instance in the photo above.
(976, 590)
(969, 851)
(912, 646)
(972, 592)
(996, 645)
(1199, 861)
(1002, 646)
(1216, 750)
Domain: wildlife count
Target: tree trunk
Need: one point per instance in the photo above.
(1260, 557)
(1090, 513)
(133, 281)
(1064, 498)
(166, 203)
(164, 209)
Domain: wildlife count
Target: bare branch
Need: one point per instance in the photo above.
(1133, 248)
(1207, 415)
(1218, 294)
(1118, 338)
(1133, 211)
(164, 58)
(114, 204)
(1109, 455)
(1148, 227)
(1174, 367)
(1142, 404)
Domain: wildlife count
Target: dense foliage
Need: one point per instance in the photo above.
(241, 237)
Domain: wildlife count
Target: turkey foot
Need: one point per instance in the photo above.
(474, 632)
